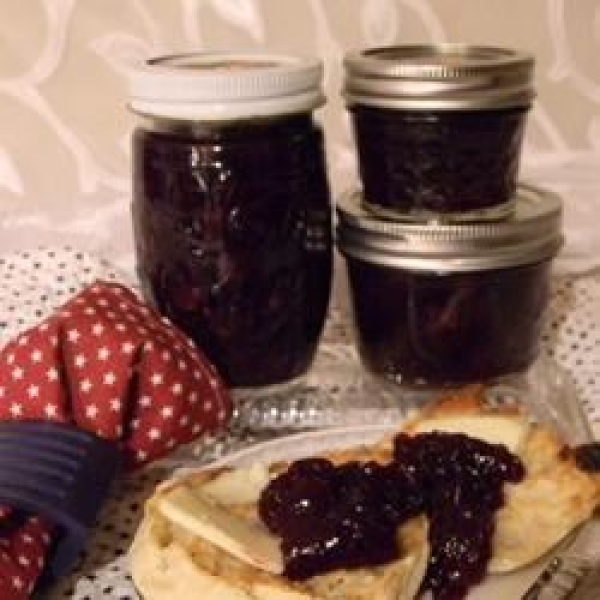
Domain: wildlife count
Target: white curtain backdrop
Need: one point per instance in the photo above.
(64, 125)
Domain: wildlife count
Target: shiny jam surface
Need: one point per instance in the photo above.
(346, 516)
(429, 328)
(233, 240)
(444, 162)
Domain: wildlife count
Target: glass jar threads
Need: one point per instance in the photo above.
(231, 207)
(439, 129)
(444, 304)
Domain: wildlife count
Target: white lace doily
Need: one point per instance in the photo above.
(336, 392)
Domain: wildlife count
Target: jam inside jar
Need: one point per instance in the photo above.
(434, 328)
(232, 223)
(438, 305)
(420, 162)
(439, 129)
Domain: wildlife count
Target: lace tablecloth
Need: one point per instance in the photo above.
(34, 283)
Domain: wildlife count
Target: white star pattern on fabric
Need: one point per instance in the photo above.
(127, 347)
(52, 374)
(110, 378)
(154, 434)
(51, 410)
(91, 411)
(73, 335)
(17, 583)
(78, 368)
(98, 329)
(23, 560)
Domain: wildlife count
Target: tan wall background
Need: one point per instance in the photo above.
(64, 129)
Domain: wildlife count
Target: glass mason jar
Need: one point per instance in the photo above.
(231, 207)
(439, 129)
(447, 304)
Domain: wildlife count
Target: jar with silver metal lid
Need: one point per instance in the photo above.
(439, 129)
(443, 304)
(231, 207)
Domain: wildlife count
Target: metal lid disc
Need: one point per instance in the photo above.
(532, 234)
(439, 77)
(223, 86)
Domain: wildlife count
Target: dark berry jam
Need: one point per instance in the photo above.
(331, 517)
(587, 457)
(233, 240)
(435, 328)
(443, 162)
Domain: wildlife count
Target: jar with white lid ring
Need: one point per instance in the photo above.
(439, 129)
(231, 207)
(449, 304)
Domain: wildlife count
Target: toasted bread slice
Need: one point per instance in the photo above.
(553, 499)
(173, 558)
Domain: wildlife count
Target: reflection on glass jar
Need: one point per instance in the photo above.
(232, 224)
(450, 304)
(439, 129)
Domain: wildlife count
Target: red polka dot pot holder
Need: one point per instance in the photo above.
(134, 388)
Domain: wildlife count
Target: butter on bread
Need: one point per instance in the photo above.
(554, 497)
(172, 559)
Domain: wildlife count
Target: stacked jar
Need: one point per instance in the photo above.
(448, 255)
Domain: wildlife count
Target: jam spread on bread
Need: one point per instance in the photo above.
(346, 516)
